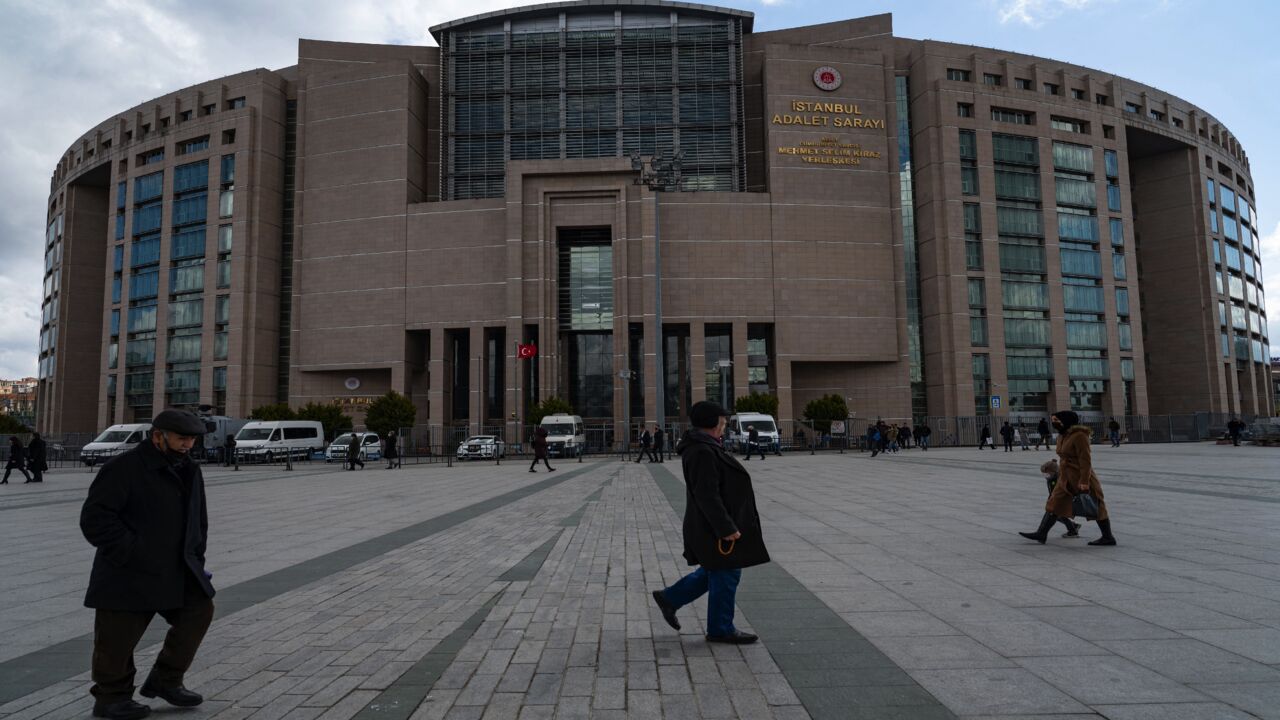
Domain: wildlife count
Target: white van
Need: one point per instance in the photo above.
(267, 440)
(566, 435)
(113, 441)
(764, 424)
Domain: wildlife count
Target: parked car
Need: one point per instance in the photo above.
(113, 441)
(738, 431)
(566, 436)
(266, 440)
(482, 447)
(370, 447)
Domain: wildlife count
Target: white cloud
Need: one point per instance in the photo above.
(71, 65)
(1034, 13)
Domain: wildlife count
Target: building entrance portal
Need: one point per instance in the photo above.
(585, 310)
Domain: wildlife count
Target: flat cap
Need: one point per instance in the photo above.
(182, 422)
(706, 414)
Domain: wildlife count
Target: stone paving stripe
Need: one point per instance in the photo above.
(574, 519)
(846, 672)
(527, 568)
(1109, 481)
(28, 673)
(407, 692)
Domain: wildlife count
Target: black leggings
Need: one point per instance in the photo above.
(545, 461)
(10, 468)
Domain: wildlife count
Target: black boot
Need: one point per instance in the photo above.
(1107, 538)
(1073, 529)
(1042, 533)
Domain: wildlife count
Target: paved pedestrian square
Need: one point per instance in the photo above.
(899, 589)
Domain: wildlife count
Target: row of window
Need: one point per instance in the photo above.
(997, 80)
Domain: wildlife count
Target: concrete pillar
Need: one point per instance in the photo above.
(438, 375)
(785, 411)
(741, 367)
(475, 380)
(698, 360)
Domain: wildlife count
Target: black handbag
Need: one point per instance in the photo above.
(1083, 505)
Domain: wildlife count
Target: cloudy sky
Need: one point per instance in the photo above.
(69, 65)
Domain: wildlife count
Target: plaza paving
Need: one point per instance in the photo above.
(900, 589)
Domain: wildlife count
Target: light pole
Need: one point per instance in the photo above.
(662, 173)
(724, 366)
(626, 375)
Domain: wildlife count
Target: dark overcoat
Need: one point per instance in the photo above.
(540, 444)
(391, 447)
(37, 455)
(17, 456)
(659, 439)
(719, 501)
(147, 518)
(1075, 469)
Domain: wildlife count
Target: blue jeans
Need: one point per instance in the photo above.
(722, 586)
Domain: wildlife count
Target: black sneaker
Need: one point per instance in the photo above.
(123, 710)
(737, 637)
(668, 610)
(177, 695)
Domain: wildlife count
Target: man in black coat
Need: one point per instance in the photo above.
(145, 513)
(721, 527)
(646, 446)
(1043, 435)
(659, 441)
(37, 457)
(753, 442)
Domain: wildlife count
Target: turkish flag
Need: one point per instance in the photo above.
(524, 352)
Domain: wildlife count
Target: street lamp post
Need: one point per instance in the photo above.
(662, 173)
(724, 366)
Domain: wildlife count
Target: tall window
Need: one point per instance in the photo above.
(591, 88)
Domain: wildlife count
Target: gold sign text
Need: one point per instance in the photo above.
(826, 114)
(829, 151)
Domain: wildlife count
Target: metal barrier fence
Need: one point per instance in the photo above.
(440, 444)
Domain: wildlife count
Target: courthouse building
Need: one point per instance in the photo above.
(925, 228)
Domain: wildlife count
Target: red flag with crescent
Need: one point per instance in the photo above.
(524, 352)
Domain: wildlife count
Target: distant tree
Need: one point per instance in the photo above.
(551, 406)
(10, 426)
(757, 403)
(390, 412)
(279, 411)
(825, 409)
(329, 415)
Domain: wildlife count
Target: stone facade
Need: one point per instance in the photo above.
(350, 276)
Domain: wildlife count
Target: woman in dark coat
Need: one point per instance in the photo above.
(1075, 475)
(393, 455)
(37, 458)
(722, 532)
(17, 460)
(540, 450)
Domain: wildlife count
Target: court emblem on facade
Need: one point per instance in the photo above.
(827, 78)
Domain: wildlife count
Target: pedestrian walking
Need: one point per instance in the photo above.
(540, 450)
(393, 453)
(753, 442)
(229, 450)
(646, 446)
(1075, 476)
(145, 513)
(37, 458)
(893, 438)
(722, 532)
(873, 439)
(925, 433)
(985, 437)
(353, 451)
(1042, 434)
(1113, 429)
(1020, 433)
(17, 460)
(904, 437)
(1006, 434)
(659, 442)
(1235, 429)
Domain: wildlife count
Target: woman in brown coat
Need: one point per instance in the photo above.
(1075, 476)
